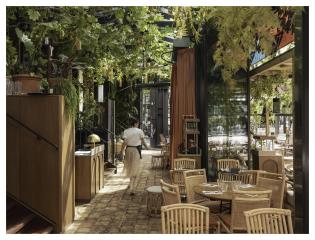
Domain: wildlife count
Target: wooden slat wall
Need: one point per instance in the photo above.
(13, 166)
(38, 174)
(67, 168)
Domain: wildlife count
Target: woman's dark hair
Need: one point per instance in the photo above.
(133, 121)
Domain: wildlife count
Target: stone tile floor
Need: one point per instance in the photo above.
(113, 210)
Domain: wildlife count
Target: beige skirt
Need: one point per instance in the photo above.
(131, 162)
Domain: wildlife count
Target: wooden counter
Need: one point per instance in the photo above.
(89, 173)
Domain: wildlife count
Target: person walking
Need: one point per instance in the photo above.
(133, 139)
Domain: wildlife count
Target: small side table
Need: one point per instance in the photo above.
(154, 200)
(157, 161)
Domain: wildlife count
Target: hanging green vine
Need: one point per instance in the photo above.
(65, 87)
(262, 91)
(108, 43)
(237, 29)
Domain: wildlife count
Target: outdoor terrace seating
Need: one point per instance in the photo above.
(269, 220)
(243, 201)
(244, 177)
(227, 163)
(193, 178)
(177, 178)
(274, 182)
(185, 218)
(170, 193)
(184, 163)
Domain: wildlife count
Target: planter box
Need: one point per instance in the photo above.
(30, 84)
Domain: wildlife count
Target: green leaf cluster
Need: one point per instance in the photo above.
(237, 29)
(262, 91)
(108, 43)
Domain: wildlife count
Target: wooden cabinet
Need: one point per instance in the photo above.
(89, 173)
(40, 157)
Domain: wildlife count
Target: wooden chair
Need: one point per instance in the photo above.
(225, 176)
(170, 193)
(269, 221)
(184, 163)
(177, 178)
(245, 178)
(243, 201)
(193, 178)
(162, 140)
(274, 182)
(254, 174)
(227, 163)
(185, 219)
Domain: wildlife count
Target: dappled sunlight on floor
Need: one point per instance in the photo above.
(113, 210)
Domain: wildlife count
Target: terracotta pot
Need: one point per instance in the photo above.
(30, 84)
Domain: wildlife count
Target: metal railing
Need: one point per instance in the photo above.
(39, 136)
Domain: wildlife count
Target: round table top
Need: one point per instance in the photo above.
(211, 190)
(154, 189)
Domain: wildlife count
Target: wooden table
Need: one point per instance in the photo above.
(217, 194)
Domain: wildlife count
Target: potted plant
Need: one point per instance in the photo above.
(26, 70)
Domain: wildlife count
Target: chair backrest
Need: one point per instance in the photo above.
(162, 139)
(177, 178)
(225, 176)
(170, 193)
(244, 201)
(165, 148)
(273, 164)
(193, 178)
(274, 182)
(184, 163)
(269, 221)
(244, 177)
(227, 163)
(254, 175)
(185, 218)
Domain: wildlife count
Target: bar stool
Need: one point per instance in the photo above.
(154, 200)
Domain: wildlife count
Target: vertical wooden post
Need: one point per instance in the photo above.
(267, 120)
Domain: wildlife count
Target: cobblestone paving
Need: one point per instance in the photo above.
(113, 210)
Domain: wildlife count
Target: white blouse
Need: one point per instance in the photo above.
(132, 136)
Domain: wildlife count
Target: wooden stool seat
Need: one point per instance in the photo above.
(154, 200)
(157, 161)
